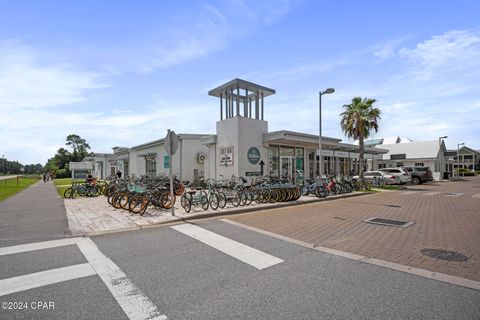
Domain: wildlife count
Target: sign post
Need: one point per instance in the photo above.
(171, 146)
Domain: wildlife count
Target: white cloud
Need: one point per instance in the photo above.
(209, 30)
(35, 101)
(25, 83)
(447, 54)
(385, 53)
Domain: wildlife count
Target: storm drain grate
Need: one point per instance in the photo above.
(445, 255)
(389, 222)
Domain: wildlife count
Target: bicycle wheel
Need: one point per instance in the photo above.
(222, 200)
(166, 200)
(179, 189)
(68, 193)
(235, 199)
(204, 200)
(186, 202)
(321, 192)
(266, 195)
(124, 200)
(213, 201)
(116, 200)
(258, 196)
(367, 186)
(249, 196)
(137, 204)
(243, 198)
(274, 196)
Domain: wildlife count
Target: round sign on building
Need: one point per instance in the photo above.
(253, 155)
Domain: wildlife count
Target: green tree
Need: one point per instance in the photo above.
(60, 161)
(80, 147)
(358, 120)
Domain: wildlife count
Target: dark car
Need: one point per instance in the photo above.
(419, 174)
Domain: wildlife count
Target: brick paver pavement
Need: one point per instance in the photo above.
(441, 222)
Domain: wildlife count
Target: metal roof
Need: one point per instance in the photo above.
(253, 88)
(412, 150)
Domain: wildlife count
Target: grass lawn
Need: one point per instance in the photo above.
(9, 187)
(62, 185)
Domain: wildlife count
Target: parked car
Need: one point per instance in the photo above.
(419, 174)
(376, 175)
(404, 175)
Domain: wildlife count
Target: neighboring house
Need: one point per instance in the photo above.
(468, 158)
(423, 153)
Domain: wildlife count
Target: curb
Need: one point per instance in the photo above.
(201, 216)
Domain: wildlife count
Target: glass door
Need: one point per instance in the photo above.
(286, 165)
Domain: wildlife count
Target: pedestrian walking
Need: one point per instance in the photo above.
(44, 178)
(119, 174)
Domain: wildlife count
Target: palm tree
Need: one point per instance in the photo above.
(358, 120)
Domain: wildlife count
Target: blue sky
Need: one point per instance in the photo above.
(122, 72)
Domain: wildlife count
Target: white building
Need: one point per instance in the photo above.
(430, 154)
(242, 146)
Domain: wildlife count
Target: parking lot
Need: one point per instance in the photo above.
(446, 216)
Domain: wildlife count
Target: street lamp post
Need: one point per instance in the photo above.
(458, 157)
(320, 158)
(443, 156)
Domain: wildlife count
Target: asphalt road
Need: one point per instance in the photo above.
(34, 214)
(188, 279)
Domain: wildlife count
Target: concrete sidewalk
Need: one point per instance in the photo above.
(94, 216)
(34, 214)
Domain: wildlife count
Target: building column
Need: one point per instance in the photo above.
(262, 105)
(221, 107)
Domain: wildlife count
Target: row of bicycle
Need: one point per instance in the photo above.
(137, 196)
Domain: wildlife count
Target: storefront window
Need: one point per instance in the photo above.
(287, 151)
(299, 165)
(150, 167)
(274, 160)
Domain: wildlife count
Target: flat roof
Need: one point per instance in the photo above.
(241, 84)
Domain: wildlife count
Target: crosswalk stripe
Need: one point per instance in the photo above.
(44, 278)
(37, 246)
(131, 299)
(246, 254)
(454, 194)
(430, 193)
(476, 195)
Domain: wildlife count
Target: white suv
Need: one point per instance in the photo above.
(403, 174)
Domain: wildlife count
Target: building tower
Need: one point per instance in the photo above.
(238, 148)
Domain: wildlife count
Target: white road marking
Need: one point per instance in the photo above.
(409, 192)
(430, 193)
(44, 278)
(454, 194)
(476, 195)
(246, 254)
(37, 246)
(131, 299)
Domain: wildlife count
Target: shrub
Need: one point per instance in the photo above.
(62, 173)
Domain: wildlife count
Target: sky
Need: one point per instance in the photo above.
(120, 73)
